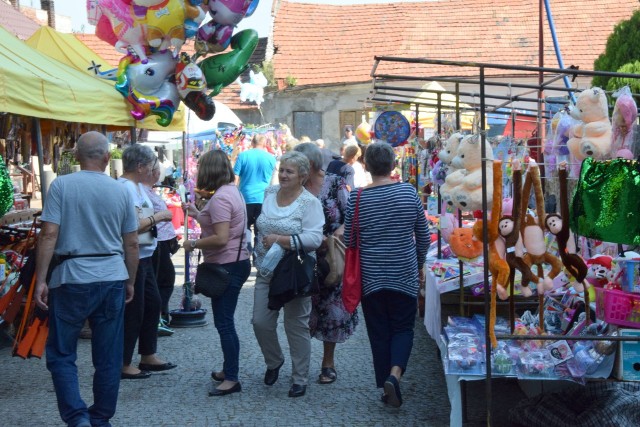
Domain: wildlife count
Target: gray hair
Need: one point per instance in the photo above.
(299, 160)
(312, 152)
(380, 159)
(136, 155)
(91, 146)
(320, 142)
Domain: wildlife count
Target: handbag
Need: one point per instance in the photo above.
(331, 263)
(295, 276)
(212, 279)
(174, 246)
(606, 203)
(352, 278)
(146, 237)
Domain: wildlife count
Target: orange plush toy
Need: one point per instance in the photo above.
(497, 265)
(464, 245)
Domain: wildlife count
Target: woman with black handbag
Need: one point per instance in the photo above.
(222, 220)
(288, 210)
(330, 322)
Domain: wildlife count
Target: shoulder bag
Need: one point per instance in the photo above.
(212, 279)
(146, 237)
(295, 276)
(331, 263)
(352, 279)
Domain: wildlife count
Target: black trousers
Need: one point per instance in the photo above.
(253, 212)
(165, 274)
(142, 314)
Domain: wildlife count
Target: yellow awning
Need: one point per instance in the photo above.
(35, 85)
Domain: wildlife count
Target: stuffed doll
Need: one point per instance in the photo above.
(599, 270)
(467, 195)
(566, 243)
(464, 245)
(591, 137)
(624, 117)
(453, 176)
(509, 228)
(498, 267)
(533, 234)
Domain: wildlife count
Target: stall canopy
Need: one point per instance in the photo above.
(428, 115)
(33, 84)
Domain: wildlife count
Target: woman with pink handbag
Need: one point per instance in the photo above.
(390, 232)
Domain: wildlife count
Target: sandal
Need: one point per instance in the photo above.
(327, 376)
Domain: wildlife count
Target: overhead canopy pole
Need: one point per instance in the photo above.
(556, 46)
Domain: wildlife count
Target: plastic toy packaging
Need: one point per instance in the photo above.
(465, 350)
(536, 363)
(501, 360)
(624, 116)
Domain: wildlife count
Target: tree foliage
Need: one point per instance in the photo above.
(622, 48)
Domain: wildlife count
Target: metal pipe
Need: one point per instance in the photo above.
(43, 186)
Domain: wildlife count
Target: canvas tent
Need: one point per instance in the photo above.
(102, 103)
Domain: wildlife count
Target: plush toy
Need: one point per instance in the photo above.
(498, 267)
(599, 270)
(253, 90)
(533, 234)
(591, 137)
(624, 117)
(468, 194)
(445, 168)
(464, 245)
(558, 151)
(511, 239)
(566, 242)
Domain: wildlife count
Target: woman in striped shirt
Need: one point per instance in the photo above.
(393, 240)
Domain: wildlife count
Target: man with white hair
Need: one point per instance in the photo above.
(327, 155)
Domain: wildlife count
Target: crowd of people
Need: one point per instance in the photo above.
(251, 212)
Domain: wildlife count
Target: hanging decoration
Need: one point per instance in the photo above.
(6, 189)
(392, 127)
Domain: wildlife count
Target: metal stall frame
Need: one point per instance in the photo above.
(383, 93)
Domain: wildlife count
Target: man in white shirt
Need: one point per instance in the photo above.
(349, 138)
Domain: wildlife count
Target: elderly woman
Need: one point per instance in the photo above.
(141, 315)
(223, 221)
(330, 322)
(393, 242)
(287, 209)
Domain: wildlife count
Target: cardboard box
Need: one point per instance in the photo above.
(630, 355)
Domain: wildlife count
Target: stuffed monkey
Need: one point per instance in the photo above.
(560, 228)
(509, 227)
(533, 234)
(497, 265)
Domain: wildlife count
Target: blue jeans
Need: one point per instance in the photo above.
(69, 306)
(224, 308)
(390, 317)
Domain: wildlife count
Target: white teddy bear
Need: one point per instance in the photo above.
(468, 194)
(591, 137)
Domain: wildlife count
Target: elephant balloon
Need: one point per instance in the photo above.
(147, 86)
(191, 87)
(223, 69)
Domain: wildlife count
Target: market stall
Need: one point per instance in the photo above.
(571, 336)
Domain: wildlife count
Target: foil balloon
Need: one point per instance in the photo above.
(223, 69)
(213, 38)
(253, 91)
(228, 12)
(393, 127)
(117, 21)
(252, 8)
(165, 23)
(147, 86)
(363, 133)
(191, 87)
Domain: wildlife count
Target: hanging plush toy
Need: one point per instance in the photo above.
(468, 194)
(498, 267)
(566, 243)
(592, 136)
(443, 169)
(533, 234)
(624, 117)
(463, 244)
(509, 229)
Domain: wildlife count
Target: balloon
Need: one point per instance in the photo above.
(147, 87)
(213, 38)
(253, 91)
(252, 8)
(191, 88)
(228, 12)
(363, 133)
(393, 127)
(165, 23)
(223, 69)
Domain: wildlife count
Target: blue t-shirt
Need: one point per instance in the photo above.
(255, 168)
(92, 211)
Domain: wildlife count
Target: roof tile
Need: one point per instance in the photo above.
(16, 22)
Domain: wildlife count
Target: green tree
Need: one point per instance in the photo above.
(622, 48)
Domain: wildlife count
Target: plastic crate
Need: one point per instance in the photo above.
(618, 308)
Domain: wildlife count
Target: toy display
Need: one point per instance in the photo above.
(625, 114)
(591, 137)
(467, 194)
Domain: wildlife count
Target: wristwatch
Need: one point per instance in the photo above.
(193, 244)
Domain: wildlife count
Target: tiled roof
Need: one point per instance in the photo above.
(326, 44)
(15, 22)
(230, 95)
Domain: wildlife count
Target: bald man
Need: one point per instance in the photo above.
(89, 238)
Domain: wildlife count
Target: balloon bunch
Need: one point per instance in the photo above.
(154, 76)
